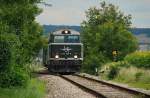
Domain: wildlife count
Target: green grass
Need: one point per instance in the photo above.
(140, 85)
(137, 84)
(134, 77)
(35, 89)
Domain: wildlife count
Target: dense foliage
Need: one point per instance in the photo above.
(11, 73)
(20, 40)
(106, 30)
(139, 59)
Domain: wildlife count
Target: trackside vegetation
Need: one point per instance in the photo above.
(134, 70)
(34, 89)
(109, 47)
(106, 36)
(11, 73)
(20, 42)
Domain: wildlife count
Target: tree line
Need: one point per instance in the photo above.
(20, 40)
(106, 36)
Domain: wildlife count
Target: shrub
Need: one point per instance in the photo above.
(11, 78)
(9, 50)
(93, 61)
(5, 57)
(11, 74)
(139, 59)
(110, 70)
(113, 72)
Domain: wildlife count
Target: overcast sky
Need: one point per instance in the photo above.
(72, 12)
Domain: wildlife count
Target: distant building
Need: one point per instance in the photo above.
(144, 42)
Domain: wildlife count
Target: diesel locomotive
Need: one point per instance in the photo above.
(64, 52)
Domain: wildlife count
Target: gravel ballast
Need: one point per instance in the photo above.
(106, 90)
(60, 88)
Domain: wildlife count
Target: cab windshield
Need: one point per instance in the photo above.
(66, 39)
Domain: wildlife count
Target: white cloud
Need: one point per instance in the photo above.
(72, 12)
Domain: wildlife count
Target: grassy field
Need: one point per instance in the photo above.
(35, 89)
(142, 85)
(134, 77)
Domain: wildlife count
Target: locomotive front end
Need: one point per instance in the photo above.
(65, 51)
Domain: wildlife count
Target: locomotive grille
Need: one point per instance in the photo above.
(65, 51)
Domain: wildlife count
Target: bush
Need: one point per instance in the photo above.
(13, 78)
(113, 72)
(9, 50)
(11, 74)
(139, 59)
(110, 70)
(93, 61)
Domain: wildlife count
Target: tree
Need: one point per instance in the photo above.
(106, 30)
(20, 40)
(18, 17)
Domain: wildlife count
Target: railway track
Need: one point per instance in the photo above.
(103, 89)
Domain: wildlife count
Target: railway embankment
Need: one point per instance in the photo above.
(60, 88)
(57, 87)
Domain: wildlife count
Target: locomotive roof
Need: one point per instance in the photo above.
(71, 32)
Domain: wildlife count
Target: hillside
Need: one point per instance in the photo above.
(51, 28)
(138, 31)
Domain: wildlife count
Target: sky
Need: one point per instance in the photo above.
(72, 12)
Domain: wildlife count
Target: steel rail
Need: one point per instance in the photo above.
(96, 93)
(133, 91)
(86, 89)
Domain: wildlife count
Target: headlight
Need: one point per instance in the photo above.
(75, 56)
(56, 56)
(66, 32)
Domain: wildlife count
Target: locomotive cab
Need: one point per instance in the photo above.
(65, 51)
